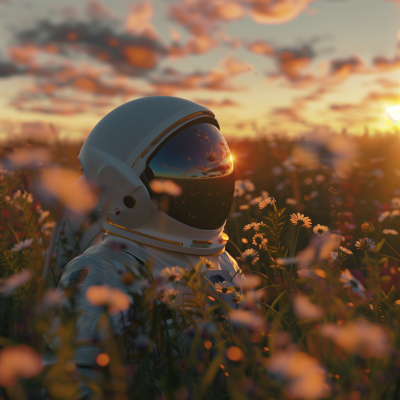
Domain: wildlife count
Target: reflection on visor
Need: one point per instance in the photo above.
(198, 159)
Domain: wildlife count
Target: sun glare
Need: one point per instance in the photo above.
(393, 113)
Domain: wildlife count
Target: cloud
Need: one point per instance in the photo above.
(383, 64)
(292, 63)
(260, 47)
(96, 9)
(138, 21)
(129, 54)
(387, 83)
(287, 114)
(343, 68)
(201, 16)
(214, 103)
(9, 69)
(171, 80)
(276, 12)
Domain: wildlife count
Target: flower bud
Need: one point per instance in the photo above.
(367, 227)
(128, 278)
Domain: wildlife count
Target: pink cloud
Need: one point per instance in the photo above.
(260, 47)
(139, 22)
(276, 12)
(96, 9)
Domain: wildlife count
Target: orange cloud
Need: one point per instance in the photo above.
(293, 63)
(276, 12)
(234, 66)
(216, 79)
(139, 22)
(383, 64)
(215, 103)
(140, 57)
(23, 54)
(342, 69)
(260, 47)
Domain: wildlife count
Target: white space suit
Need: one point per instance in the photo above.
(158, 139)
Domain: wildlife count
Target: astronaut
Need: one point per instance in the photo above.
(166, 180)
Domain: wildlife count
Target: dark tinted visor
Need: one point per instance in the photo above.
(198, 159)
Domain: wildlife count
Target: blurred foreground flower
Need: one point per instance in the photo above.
(9, 285)
(301, 374)
(366, 339)
(304, 273)
(166, 186)
(390, 232)
(25, 157)
(319, 230)
(51, 299)
(318, 250)
(64, 185)
(296, 219)
(105, 296)
(247, 281)
(250, 255)
(248, 319)
(366, 244)
(22, 245)
(349, 281)
(304, 309)
(18, 362)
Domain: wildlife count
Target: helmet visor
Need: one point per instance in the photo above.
(198, 159)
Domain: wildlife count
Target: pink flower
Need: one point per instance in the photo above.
(248, 319)
(368, 340)
(247, 281)
(18, 362)
(11, 284)
(105, 296)
(304, 309)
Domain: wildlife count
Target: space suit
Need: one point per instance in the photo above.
(177, 144)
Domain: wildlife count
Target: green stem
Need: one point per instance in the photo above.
(30, 219)
(388, 244)
(294, 250)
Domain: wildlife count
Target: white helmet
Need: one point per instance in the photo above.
(163, 138)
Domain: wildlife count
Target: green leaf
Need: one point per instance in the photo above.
(379, 245)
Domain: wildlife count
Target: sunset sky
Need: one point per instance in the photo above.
(269, 66)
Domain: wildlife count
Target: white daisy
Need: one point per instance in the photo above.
(295, 219)
(319, 230)
(259, 240)
(22, 245)
(268, 201)
(250, 255)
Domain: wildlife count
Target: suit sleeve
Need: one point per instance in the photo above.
(79, 275)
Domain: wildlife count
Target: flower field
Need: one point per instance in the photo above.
(314, 227)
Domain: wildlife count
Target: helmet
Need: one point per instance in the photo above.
(167, 140)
